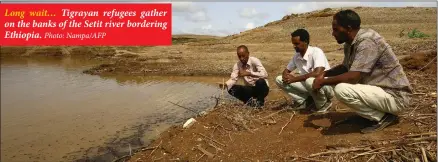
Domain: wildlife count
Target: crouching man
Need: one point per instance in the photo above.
(254, 75)
(311, 62)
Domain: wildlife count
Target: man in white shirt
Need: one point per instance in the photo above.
(311, 62)
(254, 76)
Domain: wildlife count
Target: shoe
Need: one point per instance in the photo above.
(297, 106)
(259, 104)
(255, 103)
(387, 120)
(324, 109)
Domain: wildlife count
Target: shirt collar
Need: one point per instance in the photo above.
(360, 32)
(248, 63)
(306, 55)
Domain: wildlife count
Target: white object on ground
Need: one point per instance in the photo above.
(189, 123)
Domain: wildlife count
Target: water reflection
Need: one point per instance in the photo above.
(51, 111)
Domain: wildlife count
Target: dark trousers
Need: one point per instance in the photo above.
(244, 93)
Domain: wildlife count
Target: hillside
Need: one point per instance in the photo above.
(209, 55)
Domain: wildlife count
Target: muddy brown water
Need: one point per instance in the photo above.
(51, 111)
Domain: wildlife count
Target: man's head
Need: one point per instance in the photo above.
(300, 39)
(344, 24)
(243, 54)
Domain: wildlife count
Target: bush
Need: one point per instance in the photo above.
(416, 34)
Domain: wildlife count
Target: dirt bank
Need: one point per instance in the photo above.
(233, 132)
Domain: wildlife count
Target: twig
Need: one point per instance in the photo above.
(200, 157)
(130, 150)
(158, 159)
(212, 145)
(431, 138)
(371, 153)
(426, 114)
(210, 155)
(185, 108)
(371, 158)
(431, 158)
(292, 115)
(147, 148)
(212, 139)
(421, 134)
(423, 152)
(121, 158)
(296, 156)
(279, 111)
(414, 110)
(425, 65)
(229, 135)
(402, 156)
(341, 151)
(156, 148)
(356, 156)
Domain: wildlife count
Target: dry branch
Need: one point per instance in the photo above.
(291, 116)
(210, 155)
(341, 151)
(212, 139)
(277, 112)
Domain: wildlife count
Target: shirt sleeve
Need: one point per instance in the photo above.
(291, 66)
(319, 59)
(366, 56)
(234, 77)
(261, 71)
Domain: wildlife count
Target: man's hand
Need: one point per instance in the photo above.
(287, 78)
(317, 83)
(243, 72)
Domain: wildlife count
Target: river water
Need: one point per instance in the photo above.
(51, 111)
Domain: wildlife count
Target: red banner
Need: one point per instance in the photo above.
(86, 24)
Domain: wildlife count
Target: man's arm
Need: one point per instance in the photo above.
(337, 70)
(351, 77)
(317, 72)
(233, 78)
(261, 71)
(366, 57)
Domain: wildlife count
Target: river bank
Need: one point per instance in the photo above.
(234, 132)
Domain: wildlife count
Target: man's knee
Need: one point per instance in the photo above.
(260, 82)
(309, 83)
(342, 90)
(279, 80)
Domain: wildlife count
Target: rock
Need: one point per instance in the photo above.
(189, 123)
(202, 113)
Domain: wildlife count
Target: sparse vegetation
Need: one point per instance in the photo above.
(417, 34)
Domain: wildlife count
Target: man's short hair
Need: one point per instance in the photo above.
(244, 47)
(303, 34)
(347, 18)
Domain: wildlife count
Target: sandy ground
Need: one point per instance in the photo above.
(304, 135)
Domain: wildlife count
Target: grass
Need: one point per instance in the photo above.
(417, 34)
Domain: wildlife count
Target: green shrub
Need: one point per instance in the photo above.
(416, 34)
